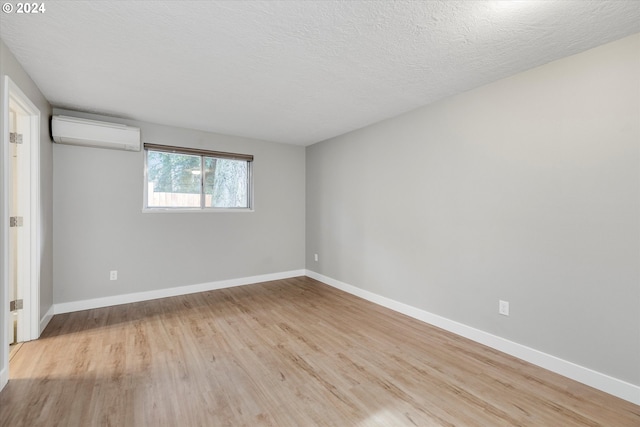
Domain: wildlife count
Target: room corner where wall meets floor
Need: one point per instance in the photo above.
(610, 385)
(568, 369)
(292, 352)
(128, 298)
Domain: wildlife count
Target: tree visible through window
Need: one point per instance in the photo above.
(225, 183)
(190, 178)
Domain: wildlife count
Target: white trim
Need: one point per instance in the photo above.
(67, 307)
(195, 210)
(13, 93)
(35, 224)
(4, 377)
(600, 381)
(4, 232)
(31, 295)
(45, 320)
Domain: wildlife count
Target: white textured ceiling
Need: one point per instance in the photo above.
(292, 71)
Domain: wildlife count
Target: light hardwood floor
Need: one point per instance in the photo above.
(292, 352)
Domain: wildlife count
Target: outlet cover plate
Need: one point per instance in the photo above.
(503, 307)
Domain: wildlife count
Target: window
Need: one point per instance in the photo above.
(193, 179)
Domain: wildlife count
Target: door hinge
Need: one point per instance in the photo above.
(15, 221)
(15, 138)
(15, 305)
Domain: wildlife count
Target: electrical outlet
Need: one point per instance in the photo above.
(315, 257)
(503, 307)
(113, 275)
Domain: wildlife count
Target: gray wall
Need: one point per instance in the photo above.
(99, 223)
(527, 190)
(9, 66)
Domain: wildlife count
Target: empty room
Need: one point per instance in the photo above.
(320, 213)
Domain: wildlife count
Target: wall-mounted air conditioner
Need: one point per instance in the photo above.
(92, 133)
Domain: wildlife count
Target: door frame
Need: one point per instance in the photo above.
(31, 292)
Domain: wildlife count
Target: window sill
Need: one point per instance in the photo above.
(194, 210)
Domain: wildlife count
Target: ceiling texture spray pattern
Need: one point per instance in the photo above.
(296, 72)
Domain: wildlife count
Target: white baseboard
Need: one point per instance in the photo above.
(45, 320)
(68, 307)
(600, 381)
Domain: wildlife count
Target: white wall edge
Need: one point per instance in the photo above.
(68, 307)
(4, 377)
(45, 320)
(597, 380)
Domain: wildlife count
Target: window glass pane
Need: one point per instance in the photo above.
(225, 184)
(173, 180)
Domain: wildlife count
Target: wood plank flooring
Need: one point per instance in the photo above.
(291, 352)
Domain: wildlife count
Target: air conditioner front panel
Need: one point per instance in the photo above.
(92, 133)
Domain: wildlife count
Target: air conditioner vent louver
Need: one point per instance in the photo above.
(93, 133)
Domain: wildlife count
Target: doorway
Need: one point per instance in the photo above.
(21, 165)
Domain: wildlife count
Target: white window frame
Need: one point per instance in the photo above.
(202, 153)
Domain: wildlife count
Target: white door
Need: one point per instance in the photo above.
(20, 225)
(20, 213)
(19, 210)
